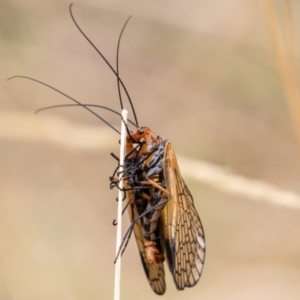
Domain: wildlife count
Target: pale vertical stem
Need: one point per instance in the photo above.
(120, 202)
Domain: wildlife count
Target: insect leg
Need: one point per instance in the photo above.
(129, 231)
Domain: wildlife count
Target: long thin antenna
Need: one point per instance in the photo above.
(81, 105)
(117, 62)
(120, 202)
(67, 96)
(106, 61)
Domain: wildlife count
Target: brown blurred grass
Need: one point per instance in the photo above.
(284, 44)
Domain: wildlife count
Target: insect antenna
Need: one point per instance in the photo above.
(117, 62)
(69, 97)
(83, 105)
(120, 82)
(106, 61)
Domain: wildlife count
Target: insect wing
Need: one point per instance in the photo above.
(183, 231)
(154, 271)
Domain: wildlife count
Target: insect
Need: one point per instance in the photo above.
(163, 217)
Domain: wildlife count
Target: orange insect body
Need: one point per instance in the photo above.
(164, 219)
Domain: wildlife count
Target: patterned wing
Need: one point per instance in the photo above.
(183, 231)
(154, 271)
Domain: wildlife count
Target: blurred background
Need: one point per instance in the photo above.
(202, 74)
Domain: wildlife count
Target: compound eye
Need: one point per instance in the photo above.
(141, 131)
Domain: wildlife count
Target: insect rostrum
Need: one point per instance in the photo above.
(165, 222)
